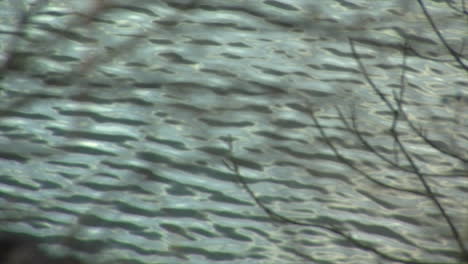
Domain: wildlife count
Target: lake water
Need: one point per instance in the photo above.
(115, 129)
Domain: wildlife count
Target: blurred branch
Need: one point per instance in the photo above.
(16, 60)
(24, 20)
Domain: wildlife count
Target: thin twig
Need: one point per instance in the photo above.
(455, 55)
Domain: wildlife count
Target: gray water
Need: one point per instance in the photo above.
(116, 132)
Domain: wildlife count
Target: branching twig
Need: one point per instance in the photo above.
(361, 244)
(393, 130)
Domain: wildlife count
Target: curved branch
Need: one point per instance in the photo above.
(455, 54)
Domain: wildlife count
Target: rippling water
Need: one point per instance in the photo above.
(115, 129)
